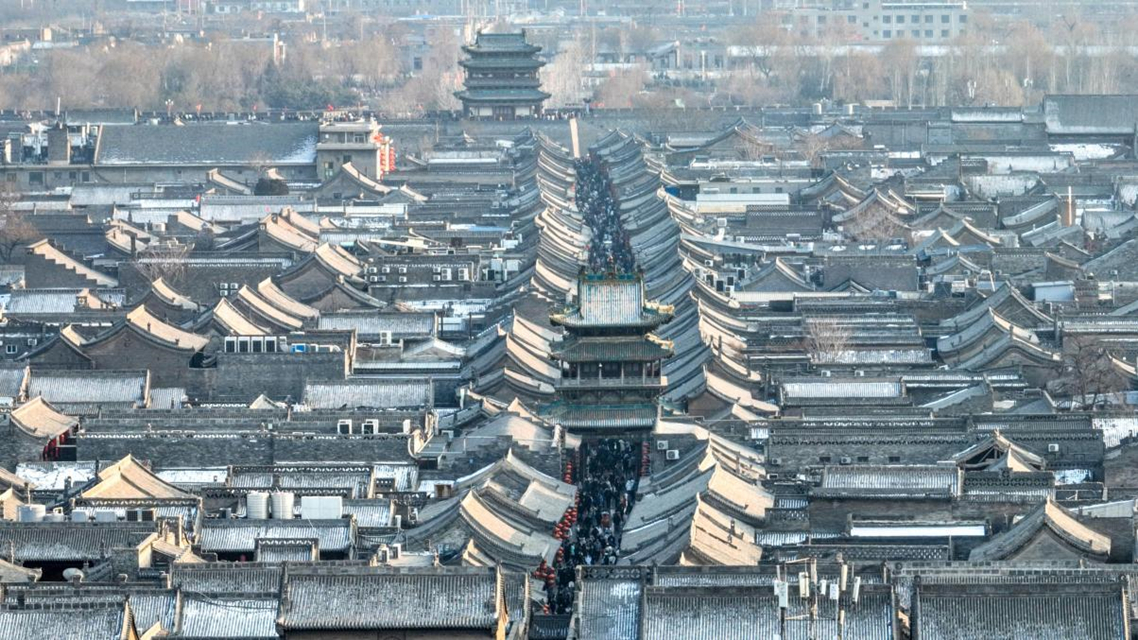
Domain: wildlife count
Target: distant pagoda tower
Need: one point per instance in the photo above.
(502, 77)
(610, 361)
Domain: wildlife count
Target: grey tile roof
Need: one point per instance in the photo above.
(1088, 611)
(32, 301)
(70, 542)
(610, 607)
(753, 612)
(80, 622)
(370, 513)
(208, 144)
(837, 388)
(205, 616)
(286, 550)
(227, 577)
(62, 388)
(371, 323)
(897, 481)
(369, 392)
(240, 536)
(11, 379)
(449, 599)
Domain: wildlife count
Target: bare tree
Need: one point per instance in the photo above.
(564, 77)
(15, 229)
(827, 340)
(875, 223)
(1089, 375)
(165, 261)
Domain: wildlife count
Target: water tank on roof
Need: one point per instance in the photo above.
(81, 515)
(54, 516)
(257, 505)
(31, 512)
(321, 507)
(283, 503)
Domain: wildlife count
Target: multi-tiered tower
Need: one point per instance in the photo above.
(610, 361)
(502, 77)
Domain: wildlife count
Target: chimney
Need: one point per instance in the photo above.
(1069, 218)
(58, 145)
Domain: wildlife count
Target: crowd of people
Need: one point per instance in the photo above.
(607, 476)
(610, 248)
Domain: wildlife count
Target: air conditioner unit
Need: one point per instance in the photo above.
(344, 427)
(371, 424)
(381, 278)
(673, 454)
(402, 279)
(845, 460)
(776, 462)
(436, 278)
(1053, 448)
(661, 445)
(373, 270)
(402, 269)
(386, 270)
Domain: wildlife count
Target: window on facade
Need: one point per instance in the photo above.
(35, 177)
(851, 19)
(929, 19)
(963, 19)
(887, 19)
(900, 19)
(887, 34)
(610, 369)
(10, 349)
(824, 459)
(863, 458)
(944, 33)
(347, 159)
(944, 19)
(928, 33)
(894, 459)
(915, 33)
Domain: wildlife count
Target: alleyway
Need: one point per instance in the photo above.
(610, 248)
(607, 474)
